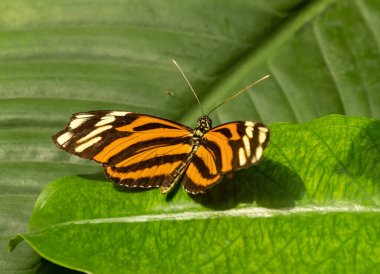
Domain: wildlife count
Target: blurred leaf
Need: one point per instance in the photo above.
(60, 57)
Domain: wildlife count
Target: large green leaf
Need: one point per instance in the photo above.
(86, 224)
(59, 57)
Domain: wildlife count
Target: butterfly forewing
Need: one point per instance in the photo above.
(225, 148)
(136, 150)
(99, 135)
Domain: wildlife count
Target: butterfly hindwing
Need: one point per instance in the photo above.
(225, 148)
(136, 150)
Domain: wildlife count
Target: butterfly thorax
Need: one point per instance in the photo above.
(204, 125)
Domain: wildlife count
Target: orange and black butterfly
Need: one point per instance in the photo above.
(139, 150)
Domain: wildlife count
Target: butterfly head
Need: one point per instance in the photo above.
(204, 124)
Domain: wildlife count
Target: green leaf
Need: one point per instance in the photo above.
(88, 224)
(60, 57)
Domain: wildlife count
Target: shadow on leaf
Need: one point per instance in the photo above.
(270, 185)
(99, 176)
(361, 163)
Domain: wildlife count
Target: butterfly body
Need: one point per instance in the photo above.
(138, 150)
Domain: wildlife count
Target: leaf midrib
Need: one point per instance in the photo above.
(255, 212)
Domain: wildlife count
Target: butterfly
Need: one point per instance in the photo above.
(140, 150)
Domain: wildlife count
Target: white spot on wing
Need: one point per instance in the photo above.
(263, 129)
(84, 116)
(249, 124)
(118, 113)
(249, 131)
(105, 120)
(87, 144)
(94, 133)
(259, 152)
(64, 138)
(262, 137)
(242, 158)
(247, 146)
(77, 122)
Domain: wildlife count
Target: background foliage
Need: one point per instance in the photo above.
(60, 57)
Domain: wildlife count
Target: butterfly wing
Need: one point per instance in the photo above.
(225, 148)
(136, 150)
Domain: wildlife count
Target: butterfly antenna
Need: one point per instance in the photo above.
(238, 93)
(184, 76)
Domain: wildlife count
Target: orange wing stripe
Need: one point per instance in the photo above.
(152, 153)
(208, 159)
(153, 171)
(225, 150)
(123, 143)
(195, 182)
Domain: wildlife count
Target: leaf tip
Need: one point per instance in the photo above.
(14, 242)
